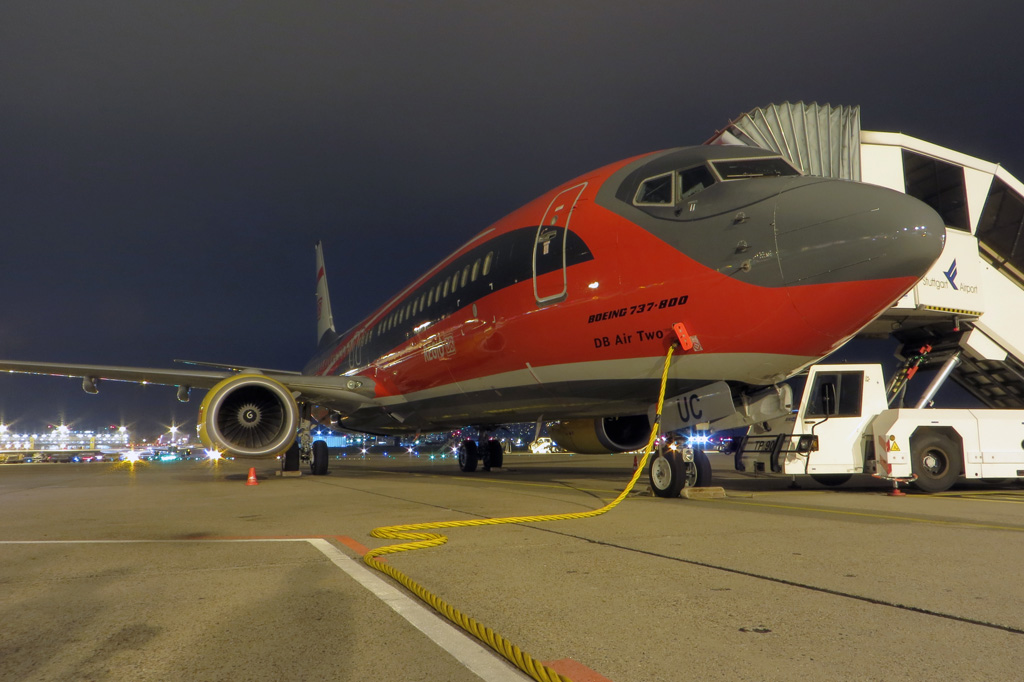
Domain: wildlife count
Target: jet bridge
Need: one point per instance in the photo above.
(966, 316)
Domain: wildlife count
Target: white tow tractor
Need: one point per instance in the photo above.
(844, 426)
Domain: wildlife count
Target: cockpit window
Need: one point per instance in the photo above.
(694, 180)
(656, 191)
(738, 169)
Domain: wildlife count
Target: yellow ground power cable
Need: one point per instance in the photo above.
(421, 540)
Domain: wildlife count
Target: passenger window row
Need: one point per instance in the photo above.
(447, 286)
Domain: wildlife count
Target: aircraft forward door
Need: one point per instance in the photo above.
(549, 247)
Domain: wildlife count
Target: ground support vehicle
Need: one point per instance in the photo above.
(844, 426)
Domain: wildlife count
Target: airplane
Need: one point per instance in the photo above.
(563, 311)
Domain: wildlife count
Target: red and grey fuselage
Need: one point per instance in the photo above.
(564, 308)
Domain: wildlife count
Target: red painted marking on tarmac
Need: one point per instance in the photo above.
(359, 549)
(575, 670)
(353, 545)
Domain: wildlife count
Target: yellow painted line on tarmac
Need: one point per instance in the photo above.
(872, 515)
(1005, 496)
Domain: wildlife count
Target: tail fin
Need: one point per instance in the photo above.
(325, 332)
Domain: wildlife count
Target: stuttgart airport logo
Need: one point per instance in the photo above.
(951, 275)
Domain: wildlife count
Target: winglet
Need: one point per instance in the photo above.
(325, 331)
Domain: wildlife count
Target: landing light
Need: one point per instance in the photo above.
(214, 455)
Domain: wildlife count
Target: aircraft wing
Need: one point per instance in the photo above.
(138, 375)
(326, 391)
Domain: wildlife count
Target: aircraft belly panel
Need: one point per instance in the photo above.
(624, 387)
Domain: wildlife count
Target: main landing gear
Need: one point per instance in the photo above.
(490, 453)
(672, 470)
(305, 449)
(317, 457)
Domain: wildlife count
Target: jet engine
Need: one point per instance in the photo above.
(249, 415)
(601, 436)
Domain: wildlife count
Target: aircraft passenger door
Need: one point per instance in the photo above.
(549, 247)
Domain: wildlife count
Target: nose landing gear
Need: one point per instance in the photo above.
(672, 470)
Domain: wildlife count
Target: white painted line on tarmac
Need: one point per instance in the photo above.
(476, 657)
(470, 652)
(137, 542)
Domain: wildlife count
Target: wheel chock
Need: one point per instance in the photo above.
(289, 474)
(703, 493)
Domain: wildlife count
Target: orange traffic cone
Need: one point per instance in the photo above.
(252, 477)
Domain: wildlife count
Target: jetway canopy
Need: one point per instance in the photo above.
(971, 302)
(818, 139)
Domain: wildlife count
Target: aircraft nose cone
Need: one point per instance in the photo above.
(840, 231)
(847, 251)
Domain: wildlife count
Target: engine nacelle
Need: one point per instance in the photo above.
(249, 415)
(603, 435)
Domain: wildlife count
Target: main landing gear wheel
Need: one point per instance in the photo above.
(468, 456)
(318, 462)
(670, 472)
(290, 460)
(936, 460)
(493, 454)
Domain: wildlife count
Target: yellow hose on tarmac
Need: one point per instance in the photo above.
(419, 540)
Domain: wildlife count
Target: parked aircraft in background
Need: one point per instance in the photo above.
(563, 311)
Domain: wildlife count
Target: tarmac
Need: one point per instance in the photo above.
(179, 570)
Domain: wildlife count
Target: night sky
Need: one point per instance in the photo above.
(166, 167)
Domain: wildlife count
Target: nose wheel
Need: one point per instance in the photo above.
(673, 470)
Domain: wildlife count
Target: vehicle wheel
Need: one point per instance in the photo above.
(468, 456)
(290, 459)
(937, 461)
(318, 462)
(831, 480)
(668, 474)
(698, 472)
(493, 454)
